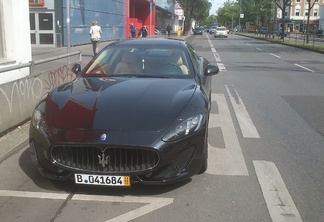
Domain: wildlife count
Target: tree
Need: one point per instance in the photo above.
(210, 19)
(228, 14)
(310, 6)
(252, 9)
(194, 9)
(283, 4)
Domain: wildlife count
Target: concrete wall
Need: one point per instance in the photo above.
(16, 38)
(18, 98)
(15, 49)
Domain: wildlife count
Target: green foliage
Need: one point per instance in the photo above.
(254, 11)
(195, 9)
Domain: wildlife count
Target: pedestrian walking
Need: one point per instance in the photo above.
(95, 36)
(144, 31)
(169, 30)
(133, 30)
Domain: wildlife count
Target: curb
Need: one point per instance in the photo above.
(14, 141)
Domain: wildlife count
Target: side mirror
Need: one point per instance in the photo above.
(211, 70)
(76, 68)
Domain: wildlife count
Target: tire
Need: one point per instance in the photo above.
(204, 163)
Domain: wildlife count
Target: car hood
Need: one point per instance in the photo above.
(118, 104)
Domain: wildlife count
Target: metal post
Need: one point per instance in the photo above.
(68, 27)
(240, 17)
(232, 15)
(151, 8)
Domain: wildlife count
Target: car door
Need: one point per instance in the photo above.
(200, 65)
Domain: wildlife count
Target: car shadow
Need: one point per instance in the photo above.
(26, 164)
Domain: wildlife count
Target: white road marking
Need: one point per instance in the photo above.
(275, 55)
(246, 125)
(217, 58)
(221, 67)
(304, 67)
(279, 202)
(28, 194)
(228, 161)
(153, 203)
(259, 49)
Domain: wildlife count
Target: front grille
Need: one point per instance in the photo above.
(114, 160)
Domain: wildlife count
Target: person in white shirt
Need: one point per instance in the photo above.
(95, 35)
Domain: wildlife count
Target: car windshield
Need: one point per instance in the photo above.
(221, 29)
(146, 61)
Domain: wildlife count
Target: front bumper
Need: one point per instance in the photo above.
(177, 161)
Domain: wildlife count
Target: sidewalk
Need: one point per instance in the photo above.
(16, 139)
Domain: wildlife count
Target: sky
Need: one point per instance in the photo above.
(216, 4)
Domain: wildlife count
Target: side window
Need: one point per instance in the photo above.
(194, 57)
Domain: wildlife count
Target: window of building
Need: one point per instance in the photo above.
(36, 2)
(315, 12)
(2, 48)
(297, 0)
(306, 12)
(297, 12)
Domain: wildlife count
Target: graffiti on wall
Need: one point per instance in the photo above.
(18, 98)
(57, 77)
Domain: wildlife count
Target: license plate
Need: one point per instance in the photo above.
(105, 180)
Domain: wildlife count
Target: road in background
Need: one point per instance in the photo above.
(265, 151)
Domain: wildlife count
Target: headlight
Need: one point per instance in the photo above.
(186, 127)
(38, 121)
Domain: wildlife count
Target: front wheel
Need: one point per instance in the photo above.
(204, 163)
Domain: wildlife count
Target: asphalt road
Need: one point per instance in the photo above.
(266, 156)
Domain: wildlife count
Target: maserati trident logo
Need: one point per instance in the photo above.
(103, 159)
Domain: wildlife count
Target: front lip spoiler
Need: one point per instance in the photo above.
(134, 179)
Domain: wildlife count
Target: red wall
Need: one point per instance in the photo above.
(138, 12)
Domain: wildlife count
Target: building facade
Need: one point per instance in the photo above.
(14, 39)
(296, 15)
(49, 27)
(15, 53)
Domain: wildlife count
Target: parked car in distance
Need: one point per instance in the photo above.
(281, 33)
(264, 30)
(320, 33)
(212, 29)
(220, 32)
(157, 32)
(198, 31)
(161, 30)
(137, 113)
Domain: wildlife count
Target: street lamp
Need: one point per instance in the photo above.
(151, 9)
(240, 17)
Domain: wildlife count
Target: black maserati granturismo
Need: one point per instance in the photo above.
(137, 113)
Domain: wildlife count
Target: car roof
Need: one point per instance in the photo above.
(151, 41)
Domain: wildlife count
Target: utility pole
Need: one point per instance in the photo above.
(240, 17)
(151, 8)
(232, 15)
(68, 28)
